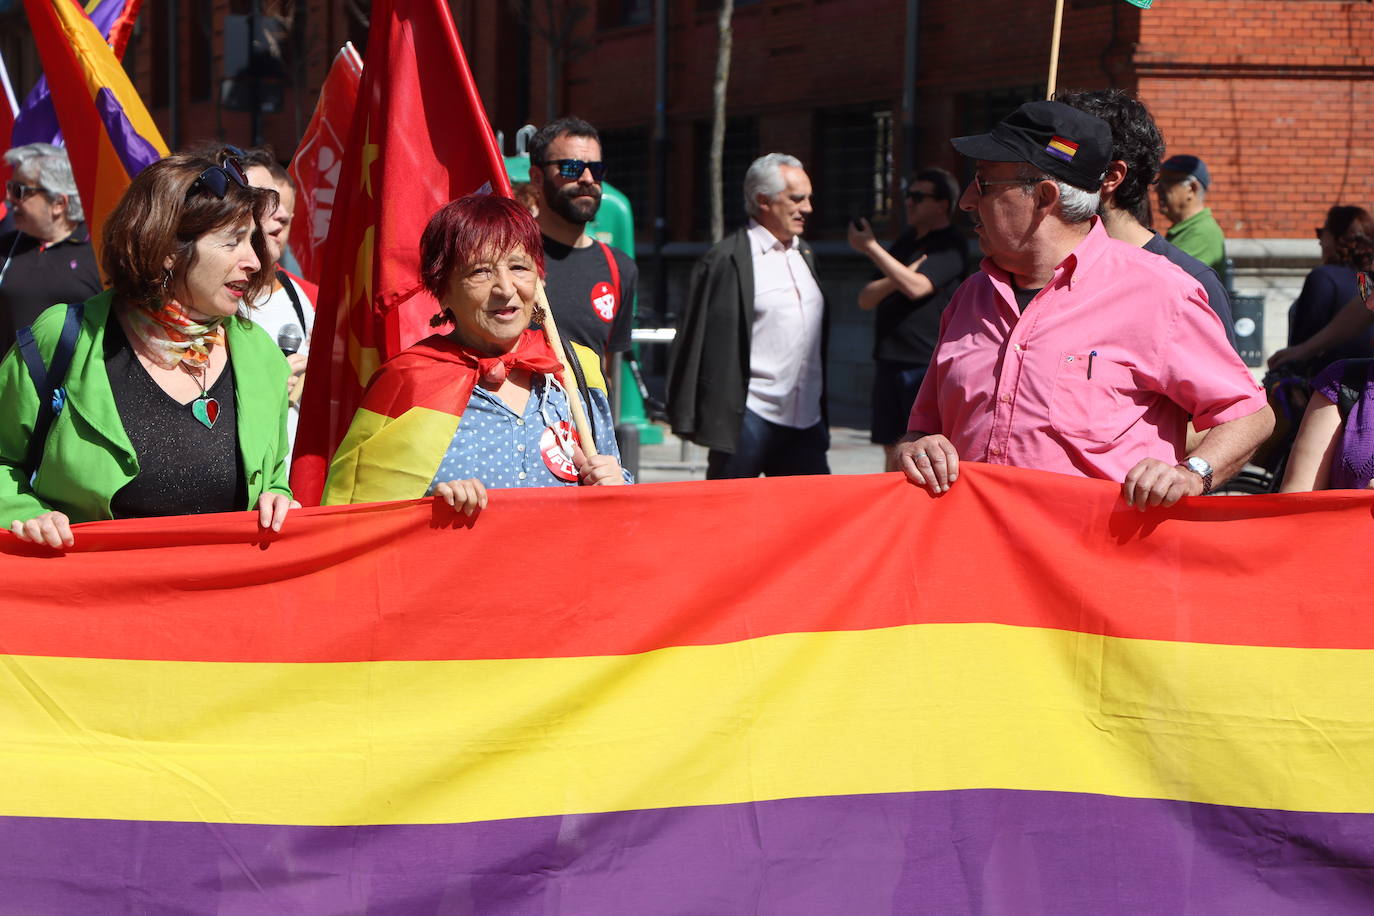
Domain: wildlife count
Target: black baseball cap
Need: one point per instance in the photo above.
(1069, 144)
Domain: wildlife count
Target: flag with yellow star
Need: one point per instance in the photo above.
(419, 139)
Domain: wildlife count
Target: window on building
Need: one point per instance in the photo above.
(613, 14)
(627, 153)
(741, 148)
(201, 79)
(854, 162)
(977, 112)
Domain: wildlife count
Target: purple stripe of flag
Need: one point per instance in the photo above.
(938, 852)
(134, 151)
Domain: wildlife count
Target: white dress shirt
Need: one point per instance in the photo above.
(785, 348)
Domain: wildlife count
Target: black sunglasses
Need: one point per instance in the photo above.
(19, 191)
(216, 178)
(572, 168)
(917, 196)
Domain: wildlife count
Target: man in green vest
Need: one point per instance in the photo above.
(1182, 194)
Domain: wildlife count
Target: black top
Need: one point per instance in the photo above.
(1324, 293)
(1024, 296)
(183, 468)
(41, 275)
(588, 310)
(906, 330)
(1211, 283)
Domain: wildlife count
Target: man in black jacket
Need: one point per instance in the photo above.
(746, 376)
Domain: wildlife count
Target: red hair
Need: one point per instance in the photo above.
(473, 227)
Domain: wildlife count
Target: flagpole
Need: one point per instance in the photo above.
(1054, 48)
(579, 415)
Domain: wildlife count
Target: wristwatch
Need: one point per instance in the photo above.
(1201, 468)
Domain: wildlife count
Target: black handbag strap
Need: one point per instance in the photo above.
(285, 280)
(48, 381)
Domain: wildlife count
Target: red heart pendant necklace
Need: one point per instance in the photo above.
(204, 408)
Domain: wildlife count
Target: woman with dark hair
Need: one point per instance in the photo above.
(174, 402)
(1347, 245)
(486, 404)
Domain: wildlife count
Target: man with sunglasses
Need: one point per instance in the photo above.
(590, 285)
(47, 258)
(914, 283)
(1071, 351)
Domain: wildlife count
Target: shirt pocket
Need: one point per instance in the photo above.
(1097, 408)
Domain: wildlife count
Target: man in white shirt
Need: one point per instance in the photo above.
(746, 376)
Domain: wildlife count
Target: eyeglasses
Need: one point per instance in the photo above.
(216, 178)
(18, 191)
(982, 184)
(917, 196)
(573, 168)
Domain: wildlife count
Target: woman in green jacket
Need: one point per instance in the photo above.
(174, 402)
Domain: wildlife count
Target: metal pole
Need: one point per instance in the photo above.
(660, 159)
(255, 116)
(909, 73)
(173, 68)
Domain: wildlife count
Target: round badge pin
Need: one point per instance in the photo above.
(556, 448)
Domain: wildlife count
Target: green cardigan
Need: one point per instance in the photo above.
(88, 456)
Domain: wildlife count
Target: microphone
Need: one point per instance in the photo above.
(289, 338)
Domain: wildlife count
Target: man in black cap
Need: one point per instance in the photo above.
(1070, 351)
(1182, 191)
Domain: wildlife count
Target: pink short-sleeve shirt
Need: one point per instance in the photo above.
(1103, 368)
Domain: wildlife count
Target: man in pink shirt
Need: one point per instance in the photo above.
(1070, 351)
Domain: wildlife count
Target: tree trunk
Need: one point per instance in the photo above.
(717, 179)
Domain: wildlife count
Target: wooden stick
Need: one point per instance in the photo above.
(579, 414)
(1054, 48)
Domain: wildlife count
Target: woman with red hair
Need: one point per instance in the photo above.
(484, 405)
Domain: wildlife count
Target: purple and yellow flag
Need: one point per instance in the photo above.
(797, 695)
(109, 134)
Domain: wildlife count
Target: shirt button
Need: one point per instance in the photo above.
(523, 475)
(519, 422)
(1005, 399)
(520, 447)
(1016, 347)
(995, 450)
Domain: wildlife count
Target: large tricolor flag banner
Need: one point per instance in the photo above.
(419, 138)
(37, 121)
(318, 161)
(788, 696)
(109, 134)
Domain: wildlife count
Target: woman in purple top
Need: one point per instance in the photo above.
(1331, 452)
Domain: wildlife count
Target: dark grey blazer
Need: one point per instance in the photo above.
(708, 366)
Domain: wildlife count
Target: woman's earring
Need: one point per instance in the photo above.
(537, 316)
(166, 279)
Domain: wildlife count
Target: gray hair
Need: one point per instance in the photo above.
(1076, 205)
(765, 177)
(49, 166)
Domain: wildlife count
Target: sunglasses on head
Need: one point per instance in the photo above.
(572, 168)
(17, 190)
(216, 178)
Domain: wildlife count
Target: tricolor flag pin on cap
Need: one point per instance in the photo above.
(1063, 149)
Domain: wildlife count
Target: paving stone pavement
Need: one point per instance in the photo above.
(850, 453)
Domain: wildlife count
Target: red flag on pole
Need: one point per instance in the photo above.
(419, 139)
(318, 162)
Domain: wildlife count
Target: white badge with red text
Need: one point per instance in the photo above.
(556, 448)
(603, 301)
